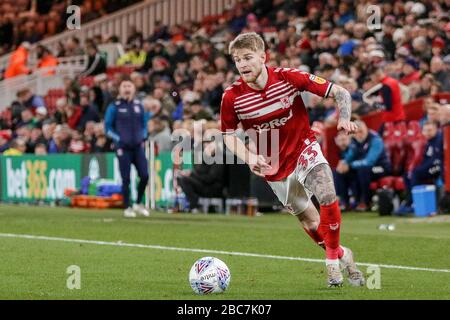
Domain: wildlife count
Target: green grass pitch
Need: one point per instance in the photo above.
(33, 268)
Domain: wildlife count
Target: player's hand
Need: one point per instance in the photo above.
(347, 126)
(258, 165)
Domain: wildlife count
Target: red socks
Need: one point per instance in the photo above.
(316, 236)
(329, 227)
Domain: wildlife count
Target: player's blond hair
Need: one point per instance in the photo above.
(249, 40)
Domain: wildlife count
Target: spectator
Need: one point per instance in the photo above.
(102, 93)
(365, 161)
(430, 168)
(135, 37)
(73, 115)
(47, 131)
(101, 145)
(440, 72)
(24, 133)
(160, 32)
(134, 57)
(426, 83)
(89, 132)
(60, 140)
(26, 119)
(410, 72)
(154, 106)
(88, 111)
(73, 47)
(36, 138)
(17, 148)
(204, 180)
(167, 102)
(46, 60)
(444, 114)
(41, 115)
(96, 62)
(5, 137)
(6, 33)
(77, 143)
(29, 100)
(142, 88)
(159, 132)
(390, 95)
(18, 62)
(40, 150)
(344, 183)
(60, 115)
(199, 112)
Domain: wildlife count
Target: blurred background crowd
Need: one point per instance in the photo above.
(34, 20)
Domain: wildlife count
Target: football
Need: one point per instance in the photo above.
(209, 275)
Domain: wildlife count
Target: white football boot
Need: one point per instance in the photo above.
(348, 266)
(129, 213)
(141, 210)
(335, 278)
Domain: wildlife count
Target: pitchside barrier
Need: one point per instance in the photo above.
(35, 179)
(43, 179)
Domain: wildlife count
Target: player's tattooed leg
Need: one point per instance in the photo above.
(320, 182)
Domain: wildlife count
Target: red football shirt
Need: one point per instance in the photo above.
(276, 114)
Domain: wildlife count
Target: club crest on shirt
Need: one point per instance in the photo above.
(285, 102)
(136, 109)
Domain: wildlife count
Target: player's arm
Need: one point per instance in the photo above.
(258, 165)
(344, 105)
(229, 122)
(304, 81)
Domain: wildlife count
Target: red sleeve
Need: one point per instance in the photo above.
(305, 81)
(228, 118)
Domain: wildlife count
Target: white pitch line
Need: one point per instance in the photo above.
(244, 254)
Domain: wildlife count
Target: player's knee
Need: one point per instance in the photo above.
(299, 206)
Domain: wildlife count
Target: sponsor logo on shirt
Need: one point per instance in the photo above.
(273, 123)
(317, 79)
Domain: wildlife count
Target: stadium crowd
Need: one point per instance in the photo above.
(33, 20)
(181, 71)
